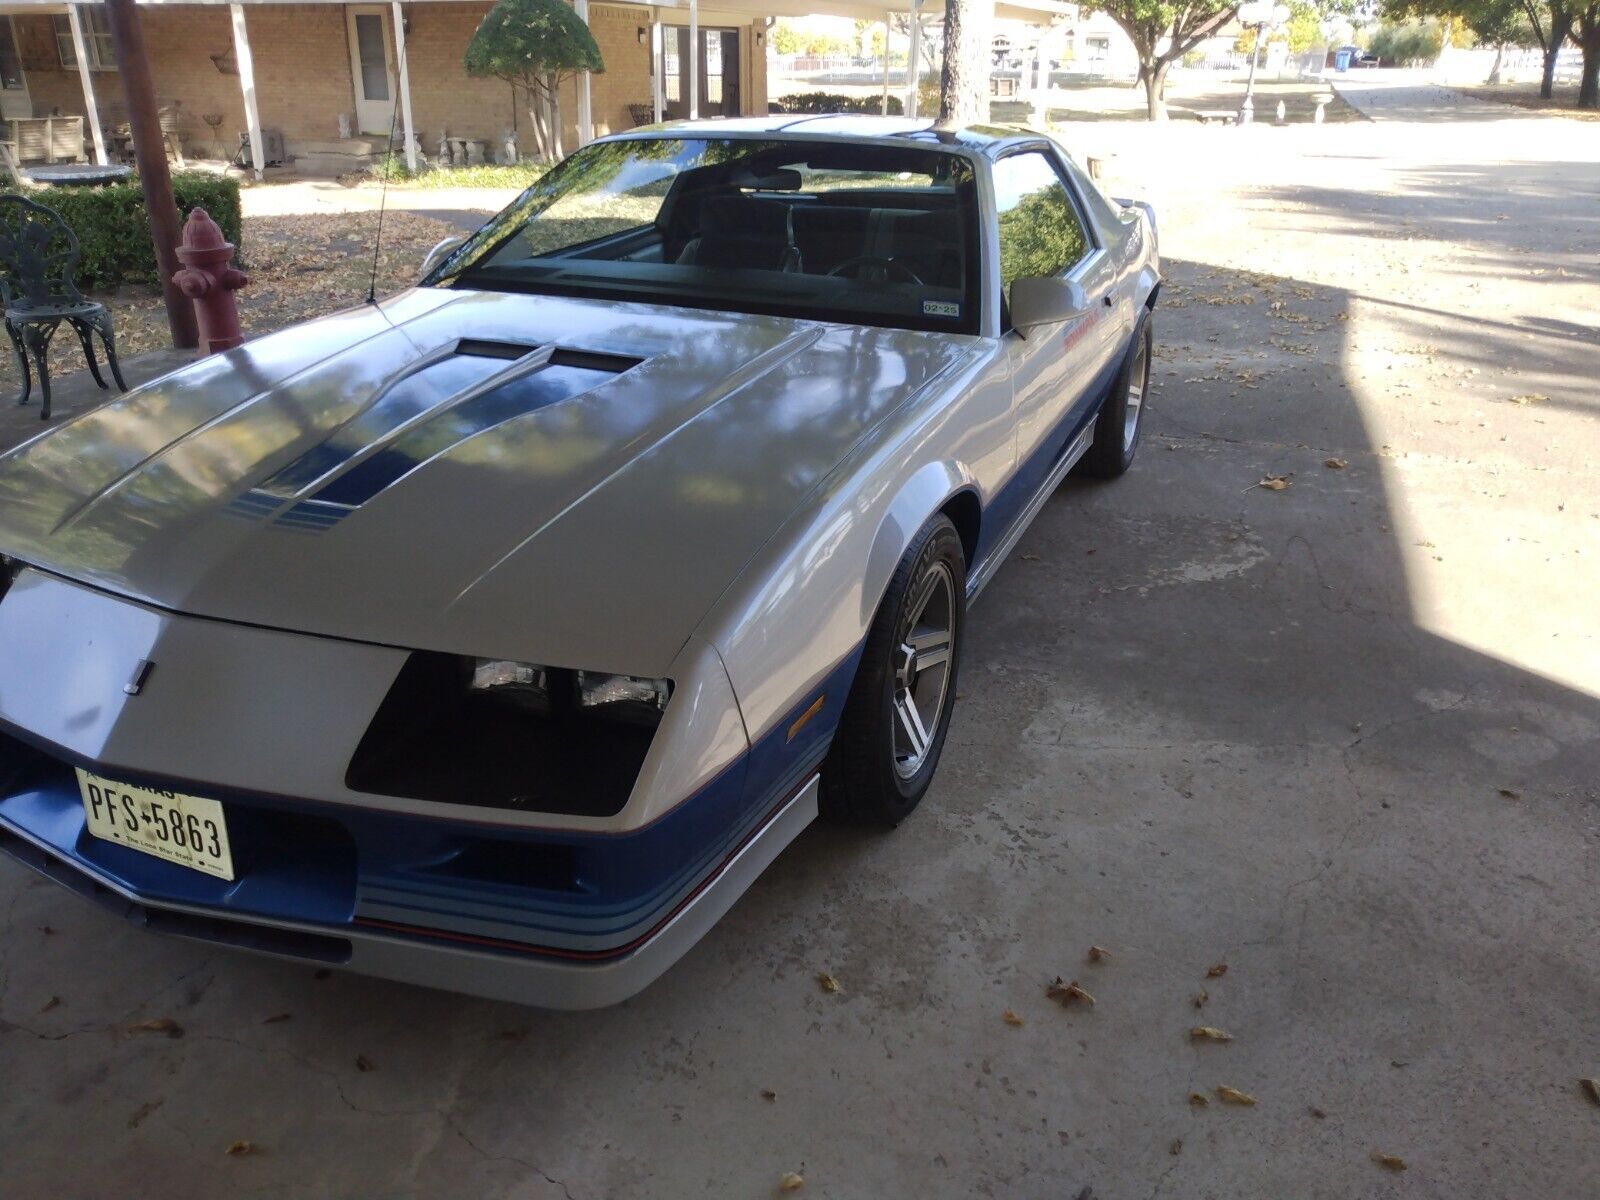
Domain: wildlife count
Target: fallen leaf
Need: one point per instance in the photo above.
(1011, 1018)
(1209, 1033)
(768, 1095)
(1511, 793)
(1317, 1112)
(1230, 1095)
(792, 1182)
(363, 1063)
(1335, 464)
(1273, 483)
(1098, 954)
(1591, 1088)
(1030, 558)
(241, 1148)
(1200, 998)
(1530, 398)
(1176, 1147)
(276, 1018)
(1216, 970)
(49, 1004)
(828, 982)
(1199, 1099)
(1392, 1161)
(1068, 993)
(164, 1025)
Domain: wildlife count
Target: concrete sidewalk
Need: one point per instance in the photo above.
(1412, 96)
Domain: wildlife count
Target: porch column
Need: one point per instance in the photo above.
(658, 68)
(694, 60)
(91, 107)
(1041, 85)
(914, 63)
(247, 83)
(886, 23)
(585, 93)
(399, 22)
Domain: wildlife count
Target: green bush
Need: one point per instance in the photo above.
(114, 232)
(832, 102)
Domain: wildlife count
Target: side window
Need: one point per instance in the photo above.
(1040, 230)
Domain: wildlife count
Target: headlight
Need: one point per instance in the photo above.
(548, 690)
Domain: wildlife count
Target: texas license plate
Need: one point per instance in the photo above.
(187, 830)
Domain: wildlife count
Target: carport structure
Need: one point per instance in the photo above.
(344, 79)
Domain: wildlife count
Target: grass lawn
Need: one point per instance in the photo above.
(299, 266)
(486, 175)
(1564, 101)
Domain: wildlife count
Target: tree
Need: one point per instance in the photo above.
(1543, 23)
(1551, 22)
(1162, 32)
(536, 45)
(964, 82)
(785, 37)
(1588, 38)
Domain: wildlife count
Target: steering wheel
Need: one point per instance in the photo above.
(887, 265)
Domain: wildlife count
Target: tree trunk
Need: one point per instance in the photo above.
(1155, 90)
(1589, 81)
(1547, 85)
(1499, 57)
(553, 86)
(1444, 42)
(964, 82)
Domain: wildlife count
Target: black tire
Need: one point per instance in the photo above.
(866, 780)
(1113, 448)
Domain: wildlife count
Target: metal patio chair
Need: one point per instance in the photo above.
(38, 256)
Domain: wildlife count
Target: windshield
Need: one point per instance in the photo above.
(860, 234)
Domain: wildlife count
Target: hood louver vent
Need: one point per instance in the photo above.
(424, 410)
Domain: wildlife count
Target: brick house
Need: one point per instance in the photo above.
(332, 80)
(318, 71)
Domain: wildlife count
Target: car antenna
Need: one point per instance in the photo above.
(383, 200)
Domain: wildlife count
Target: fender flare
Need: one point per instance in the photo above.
(926, 492)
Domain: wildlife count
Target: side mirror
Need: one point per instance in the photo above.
(1036, 301)
(440, 252)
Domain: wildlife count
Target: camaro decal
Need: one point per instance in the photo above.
(1081, 329)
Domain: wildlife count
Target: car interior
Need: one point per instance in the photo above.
(885, 235)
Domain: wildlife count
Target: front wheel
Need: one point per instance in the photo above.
(1117, 428)
(893, 727)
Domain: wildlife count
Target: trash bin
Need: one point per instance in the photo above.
(1341, 60)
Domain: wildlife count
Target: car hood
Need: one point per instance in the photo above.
(553, 480)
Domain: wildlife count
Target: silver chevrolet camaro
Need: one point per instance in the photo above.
(497, 635)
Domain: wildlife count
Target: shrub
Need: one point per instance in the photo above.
(1408, 42)
(114, 232)
(832, 102)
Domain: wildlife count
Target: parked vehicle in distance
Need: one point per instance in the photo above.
(497, 635)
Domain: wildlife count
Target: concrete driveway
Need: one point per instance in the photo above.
(1341, 739)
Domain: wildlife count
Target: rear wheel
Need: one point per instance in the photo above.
(1121, 419)
(893, 727)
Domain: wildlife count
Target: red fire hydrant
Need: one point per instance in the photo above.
(210, 282)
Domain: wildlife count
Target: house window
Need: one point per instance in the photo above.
(96, 39)
(10, 62)
(1099, 48)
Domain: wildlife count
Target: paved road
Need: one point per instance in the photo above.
(1343, 738)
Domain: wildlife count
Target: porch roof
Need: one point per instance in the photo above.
(1030, 11)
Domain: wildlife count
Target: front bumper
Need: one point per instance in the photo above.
(42, 837)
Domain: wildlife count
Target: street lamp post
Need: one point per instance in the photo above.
(1261, 15)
